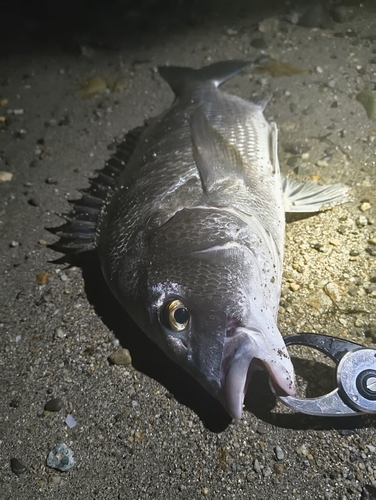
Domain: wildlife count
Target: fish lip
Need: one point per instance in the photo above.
(242, 358)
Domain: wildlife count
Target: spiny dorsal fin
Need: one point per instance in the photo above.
(78, 232)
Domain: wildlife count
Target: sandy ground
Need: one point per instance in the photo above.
(147, 430)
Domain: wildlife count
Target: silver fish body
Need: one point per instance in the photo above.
(191, 240)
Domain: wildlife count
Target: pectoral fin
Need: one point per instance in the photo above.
(215, 157)
(309, 197)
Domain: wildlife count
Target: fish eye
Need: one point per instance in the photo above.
(175, 315)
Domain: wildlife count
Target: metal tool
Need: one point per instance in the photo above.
(355, 373)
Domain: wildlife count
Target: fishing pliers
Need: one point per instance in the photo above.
(355, 377)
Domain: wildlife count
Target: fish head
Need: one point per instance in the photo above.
(207, 305)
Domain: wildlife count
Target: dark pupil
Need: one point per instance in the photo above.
(181, 315)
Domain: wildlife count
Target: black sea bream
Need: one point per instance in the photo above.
(190, 236)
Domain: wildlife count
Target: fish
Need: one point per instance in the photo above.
(188, 218)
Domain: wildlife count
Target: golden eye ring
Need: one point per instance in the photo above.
(176, 316)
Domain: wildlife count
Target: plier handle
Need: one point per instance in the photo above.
(355, 373)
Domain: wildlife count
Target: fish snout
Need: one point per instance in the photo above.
(246, 352)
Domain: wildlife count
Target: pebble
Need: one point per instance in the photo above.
(279, 468)
(296, 148)
(293, 161)
(319, 301)
(333, 291)
(33, 202)
(279, 453)
(256, 466)
(61, 458)
(269, 25)
(361, 221)
(317, 246)
(365, 206)
(322, 163)
(60, 333)
(17, 467)
(353, 292)
(120, 357)
(302, 450)
(330, 151)
(303, 170)
(368, 100)
(371, 290)
(261, 429)
(51, 180)
(14, 244)
(45, 298)
(294, 287)
(64, 121)
(354, 253)
(43, 278)
(54, 404)
(371, 333)
(267, 471)
(371, 251)
(6, 176)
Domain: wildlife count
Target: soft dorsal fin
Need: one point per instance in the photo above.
(182, 79)
(215, 157)
(79, 231)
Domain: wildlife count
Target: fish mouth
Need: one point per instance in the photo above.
(248, 351)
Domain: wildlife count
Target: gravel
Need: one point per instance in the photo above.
(146, 430)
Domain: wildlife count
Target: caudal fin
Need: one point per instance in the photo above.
(182, 79)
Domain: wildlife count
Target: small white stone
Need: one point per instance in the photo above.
(365, 206)
(6, 176)
(70, 421)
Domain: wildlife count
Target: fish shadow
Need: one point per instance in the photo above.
(150, 360)
(261, 401)
(147, 357)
